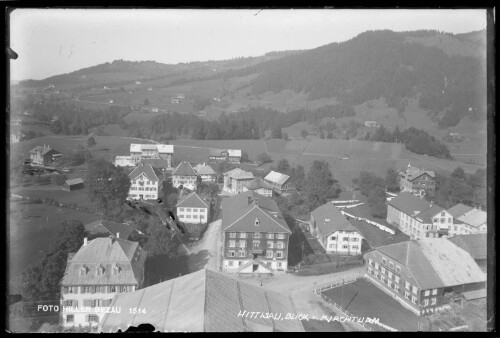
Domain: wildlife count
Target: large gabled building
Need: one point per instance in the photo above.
(334, 232)
(184, 175)
(206, 173)
(145, 183)
(417, 181)
(193, 209)
(425, 276)
(102, 268)
(144, 151)
(236, 180)
(475, 245)
(225, 155)
(281, 183)
(255, 235)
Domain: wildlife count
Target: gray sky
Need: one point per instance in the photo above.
(57, 41)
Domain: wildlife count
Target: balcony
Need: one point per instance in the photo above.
(257, 251)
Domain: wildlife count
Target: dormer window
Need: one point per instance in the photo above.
(257, 223)
(116, 270)
(83, 270)
(100, 270)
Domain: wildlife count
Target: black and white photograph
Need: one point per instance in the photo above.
(250, 170)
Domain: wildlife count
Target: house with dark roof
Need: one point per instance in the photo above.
(425, 276)
(206, 173)
(184, 175)
(417, 181)
(43, 155)
(73, 184)
(193, 209)
(105, 228)
(418, 218)
(467, 220)
(334, 232)
(475, 245)
(259, 186)
(236, 180)
(145, 183)
(255, 235)
(225, 155)
(280, 182)
(203, 301)
(99, 270)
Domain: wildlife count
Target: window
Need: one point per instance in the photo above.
(426, 302)
(434, 292)
(407, 286)
(382, 278)
(334, 238)
(384, 261)
(195, 210)
(398, 269)
(231, 253)
(188, 209)
(112, 288)
(269, 254)
(370, 262)
(442, 220)
(70, 318)
(281, 245)
(396, 287)
(256, 245)
(279, 254)
(256, 235)
(242, 234)
(355, 247)
(391, 265)
(376, 265)
(433, 301)
(396, 279)
(346, 239)
(270, 236)
(344, 246)
(188, 216)
(280, 264)
(195, 216)
(232, 244)
(415, 290)
(202, 216)
(407, 295)
(414, 300)
(370, 270)
(181, 209)
(243, 244)
(331, 246)
(382, 270)
(389, 283)
(270, 244)
(280, 236)
(389, 274)
(435, 220)
(242, 253)
(354, 239)
(427, 293)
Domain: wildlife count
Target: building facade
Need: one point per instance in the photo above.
(236, 180)
(145, 184)
(467, 220)
(425, 276)
(145, 151)
(206, 173)
(280, 182)
(184, 175)
(334, 232)
(225, 155)
(102, 268)
(43, 155)
(259, 186)
(193, 209)
(255, 235)
(417, 181)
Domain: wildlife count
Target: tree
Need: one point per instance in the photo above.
(264, 158)
(304, 133)
(458, 174)
(244, 157)
(320, 185)
(106, 184)
(58, 179)
(276, 133)
(146, 102)
(299, 177)
(91, 142)
(284, 136)
(283, 167)
(392, 180)
(56, 127)
(160, 240)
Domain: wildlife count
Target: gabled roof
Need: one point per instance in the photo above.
(145, 169)
(159, 163)
(108, 252)
(203, 169)
(184, 169)
(239, 213)
(276, 177)
(258, 183)
(412, 173)
(475, 244)
(203, 301)
(329, 219)
(43, 150)
(74, 181)
(409, 203)
(162, 148)
(475, 217)
(435, 262)
(239, 174)
(109, 227)
(459, 210)
(193, 200)
(426, 215)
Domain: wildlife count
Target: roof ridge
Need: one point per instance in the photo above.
(246, 213)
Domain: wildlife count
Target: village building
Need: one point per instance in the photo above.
(73, 184)
(192, 209)
(206, 173)
(425, 276)
(175, 101)
(334, 232)
(105, 228)
(418, 181)
(236, 180)
(255, 235)
(225, 155)
(185, 176)
(15, 137)
(102, 268)
(467, 220)
(203, 301)
(259, 186)
(145, 184)
(144, 151)
(475, 245)
(370, 124)
(125, 161)
(44, 155)
(280, 182)
(418, 218)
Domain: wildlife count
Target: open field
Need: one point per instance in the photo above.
(376, 110)
(32, 228)
(363, 299)
(78, 197)
(252, 147)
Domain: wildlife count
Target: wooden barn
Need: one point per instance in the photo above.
(73, 184)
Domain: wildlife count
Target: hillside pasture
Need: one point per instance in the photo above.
(78, 197)
(252, 147)
(376, 110)
(295, 130)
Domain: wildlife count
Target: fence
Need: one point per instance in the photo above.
(325, 268)
(378, 225)
(344, 202)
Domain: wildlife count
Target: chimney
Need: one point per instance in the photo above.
(117, 235)
(85, 241)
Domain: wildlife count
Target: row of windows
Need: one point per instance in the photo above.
(97, 289)
(193, 209)
(146, 196)
(143, 189)
(87, 302)
(231, 264)
(345, 239)
(194, 216)
(84, 270)
(142, 182)
(243, 253)
(90, 318)
(257, 235)
(345, 246)
(256, 244)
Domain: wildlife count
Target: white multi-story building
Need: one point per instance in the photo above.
(144, 151)
(279, 181)
(192, 209)
(102, 268)
(145, 184)
(184, 175)
(236, 180)
(334, 232)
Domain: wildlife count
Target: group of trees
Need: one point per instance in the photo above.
(374, 188)
(461, 188)
(416, 140)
